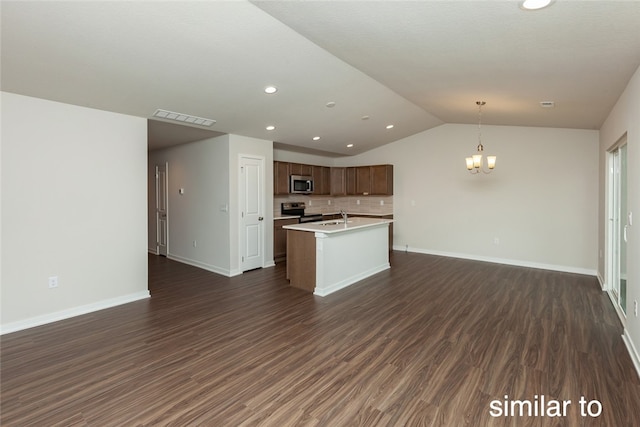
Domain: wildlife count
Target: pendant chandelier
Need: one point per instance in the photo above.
(475, 163)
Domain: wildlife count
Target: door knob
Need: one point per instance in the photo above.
(260, 218)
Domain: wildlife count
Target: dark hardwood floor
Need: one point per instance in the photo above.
(430, 342)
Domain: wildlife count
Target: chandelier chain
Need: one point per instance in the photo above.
(480, 104)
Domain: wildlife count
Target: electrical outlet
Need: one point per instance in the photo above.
(635, 308)
(329, 202)
(496, 240)
(53, 282)
(195, 244)
(357, 202)
(381, 202)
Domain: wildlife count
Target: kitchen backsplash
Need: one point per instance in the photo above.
(329, 204)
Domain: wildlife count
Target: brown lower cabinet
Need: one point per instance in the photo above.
(301, 265)
(280, 238)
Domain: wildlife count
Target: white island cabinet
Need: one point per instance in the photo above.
(323, 257)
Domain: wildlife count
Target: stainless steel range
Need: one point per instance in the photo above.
(297, 209)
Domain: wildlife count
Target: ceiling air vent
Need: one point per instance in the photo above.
(547, 104)
(184, 118)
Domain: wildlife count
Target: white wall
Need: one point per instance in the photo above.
(625, 118)
(208, 171)
(304, 158)
(73, 206)
(202, 170)
(541, 201)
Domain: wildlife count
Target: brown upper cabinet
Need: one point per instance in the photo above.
(338, 181)
(280, 178)
(351, 181)
(300, 169)
(363, 180)
(321, 180)
(381, 180)
(374, 180)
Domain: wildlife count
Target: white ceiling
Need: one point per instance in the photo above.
(414, 64)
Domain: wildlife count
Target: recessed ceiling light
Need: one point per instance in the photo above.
(535, 4)
(270, 89)
(349, 145)
(316, 138)
(331, 104)
(389, 126)
(270, 127)
(365, 117)
(185, 118)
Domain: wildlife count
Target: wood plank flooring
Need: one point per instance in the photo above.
(430, 342)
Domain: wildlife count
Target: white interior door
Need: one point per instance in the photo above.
(252, 214)
(162, 218)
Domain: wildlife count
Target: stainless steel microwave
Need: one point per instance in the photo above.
(301, 184)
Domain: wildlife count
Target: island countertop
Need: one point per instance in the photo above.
(337, 225)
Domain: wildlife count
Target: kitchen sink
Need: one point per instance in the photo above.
(337, 222)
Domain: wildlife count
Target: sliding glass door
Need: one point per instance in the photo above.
(618, 224)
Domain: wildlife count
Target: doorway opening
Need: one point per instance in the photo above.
(162, 211)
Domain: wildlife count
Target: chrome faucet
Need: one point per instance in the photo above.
(344, 215)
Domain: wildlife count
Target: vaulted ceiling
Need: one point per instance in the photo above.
(344, 69)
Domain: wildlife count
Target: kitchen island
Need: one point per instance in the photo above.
(323, 257)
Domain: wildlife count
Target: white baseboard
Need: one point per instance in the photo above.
(269, 264)
(518, 263)
(153, 251)
(213, 268)
(72, 312)
(633, 352)
(323, 292)
(616, 307)
(202, 265)
(235, 272)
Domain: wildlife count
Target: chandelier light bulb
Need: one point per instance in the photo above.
(491, 162)
(469, 163)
